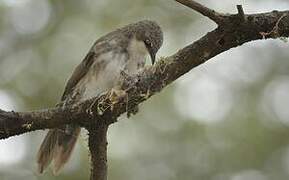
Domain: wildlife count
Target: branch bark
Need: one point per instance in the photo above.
(232, 31)
(152, 79)
(97, 144)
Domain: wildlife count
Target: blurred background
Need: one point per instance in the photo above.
(227, 119)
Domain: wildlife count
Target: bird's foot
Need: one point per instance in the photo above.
(115, 96)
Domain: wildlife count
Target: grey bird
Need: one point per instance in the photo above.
(123, 50)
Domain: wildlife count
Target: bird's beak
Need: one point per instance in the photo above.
(153, 56)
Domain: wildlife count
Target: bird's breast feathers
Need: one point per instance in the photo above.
(104, 73)
(137, 53)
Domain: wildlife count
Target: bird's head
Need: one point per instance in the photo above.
(151, 34)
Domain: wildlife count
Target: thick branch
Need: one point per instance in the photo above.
(153, 79)
(15, 123)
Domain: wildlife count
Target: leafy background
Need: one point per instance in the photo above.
(225, 120)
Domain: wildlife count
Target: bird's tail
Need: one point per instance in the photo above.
(57, 146)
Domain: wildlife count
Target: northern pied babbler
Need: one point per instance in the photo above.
(123, 50)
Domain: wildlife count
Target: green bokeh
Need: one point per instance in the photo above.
(160, 142)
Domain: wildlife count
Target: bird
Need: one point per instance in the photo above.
(123, 50)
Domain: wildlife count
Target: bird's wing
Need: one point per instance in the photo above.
(78, 73)
(101, 46)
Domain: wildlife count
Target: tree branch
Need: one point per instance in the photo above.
(212, 14)
(97, 144)
(152, 79)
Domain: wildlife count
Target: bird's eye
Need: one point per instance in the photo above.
(148, 42)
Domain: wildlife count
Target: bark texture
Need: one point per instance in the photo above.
(97, 143)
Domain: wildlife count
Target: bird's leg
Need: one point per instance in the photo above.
(116, 94)
(120, 91)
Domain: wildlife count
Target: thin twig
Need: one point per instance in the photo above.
(213, 15)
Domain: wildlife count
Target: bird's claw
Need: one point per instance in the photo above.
(115, 96)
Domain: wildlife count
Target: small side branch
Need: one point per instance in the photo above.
(241, 12)
(213, 15)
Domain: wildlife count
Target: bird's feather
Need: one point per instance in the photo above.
(114, 42)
